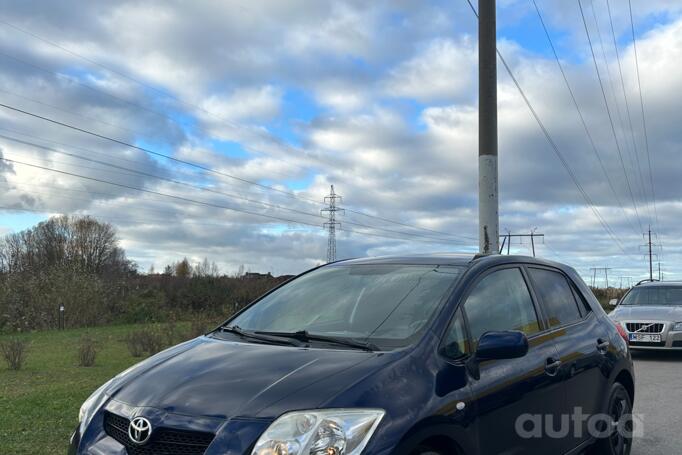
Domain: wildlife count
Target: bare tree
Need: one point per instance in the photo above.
(206, 268)
(80, 242)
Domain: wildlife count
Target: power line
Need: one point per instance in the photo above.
(555, 148)
(582, 117)
(627, 110)
(70, 112)
(213, 205)
(195, 165)
(158, 177)
(165, 220)
(157, 193)
(159, 154)
(129, 171)
(641, 104)
(464, 237)
(608, 111)
(122, 128)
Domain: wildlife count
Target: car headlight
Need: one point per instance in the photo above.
(322, 432)
(92, 405)
(677, 327)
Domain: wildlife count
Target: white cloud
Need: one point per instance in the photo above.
(443, 71)
(243, 104)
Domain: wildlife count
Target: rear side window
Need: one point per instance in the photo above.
(556, 295)
(501, 301)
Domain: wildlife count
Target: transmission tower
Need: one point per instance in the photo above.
(331, 224)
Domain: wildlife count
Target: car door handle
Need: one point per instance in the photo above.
(552, 366)
(603, 346)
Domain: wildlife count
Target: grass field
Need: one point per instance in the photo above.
(39, 404)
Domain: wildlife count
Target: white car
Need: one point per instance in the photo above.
(651, 314)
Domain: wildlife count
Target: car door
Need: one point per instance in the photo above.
(582, 344)
(512, 397)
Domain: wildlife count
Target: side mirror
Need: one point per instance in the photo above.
(502, 345)
(497, 346)
(613, 303)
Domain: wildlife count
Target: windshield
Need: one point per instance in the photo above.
(659, 295)
(384, 304)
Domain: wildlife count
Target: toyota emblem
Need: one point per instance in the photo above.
(139, 430)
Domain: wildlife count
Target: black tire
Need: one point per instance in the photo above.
(619, 408)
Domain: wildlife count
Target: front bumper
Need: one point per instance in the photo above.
(234, 436)
(670, 340)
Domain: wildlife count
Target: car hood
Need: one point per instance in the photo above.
(218, 378)
(646, 312)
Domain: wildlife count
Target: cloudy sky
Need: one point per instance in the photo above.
(272, 102)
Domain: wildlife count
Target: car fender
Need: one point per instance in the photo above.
(461, 437)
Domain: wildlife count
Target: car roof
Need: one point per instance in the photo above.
(461, 259)
(659, 284)
(429, 259)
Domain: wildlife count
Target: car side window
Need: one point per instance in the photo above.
(556, 296)
(585, 308)
(501, 301)
(455, 344)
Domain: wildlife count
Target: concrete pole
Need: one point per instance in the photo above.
(488, 205)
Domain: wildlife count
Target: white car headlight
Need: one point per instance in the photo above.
(320, 432)
(677, 327)
(92, 405)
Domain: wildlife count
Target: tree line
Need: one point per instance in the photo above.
(77, 262)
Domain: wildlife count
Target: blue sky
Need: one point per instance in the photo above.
(377, 98)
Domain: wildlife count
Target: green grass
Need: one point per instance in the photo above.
(39, 404)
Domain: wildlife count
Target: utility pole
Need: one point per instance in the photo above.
(659, 271)
(488, 202)
(331, 223)
(594, 271)
(649, 245)
(651, 265)
(627, 281)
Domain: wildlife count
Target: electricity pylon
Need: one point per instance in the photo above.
(331, 224)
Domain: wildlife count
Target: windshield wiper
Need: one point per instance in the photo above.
(257, 335)
(306, 337)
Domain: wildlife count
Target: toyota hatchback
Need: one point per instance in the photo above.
(413, 355)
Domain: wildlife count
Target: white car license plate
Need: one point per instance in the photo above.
(645, 337)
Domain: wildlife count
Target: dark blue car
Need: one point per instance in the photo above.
(417, 355)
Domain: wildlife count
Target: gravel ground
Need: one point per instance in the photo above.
(658, 400)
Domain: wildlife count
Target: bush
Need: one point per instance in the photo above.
(87, 351)
(14, 352)
(145, 342)
(153, 341)
(134, 343)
